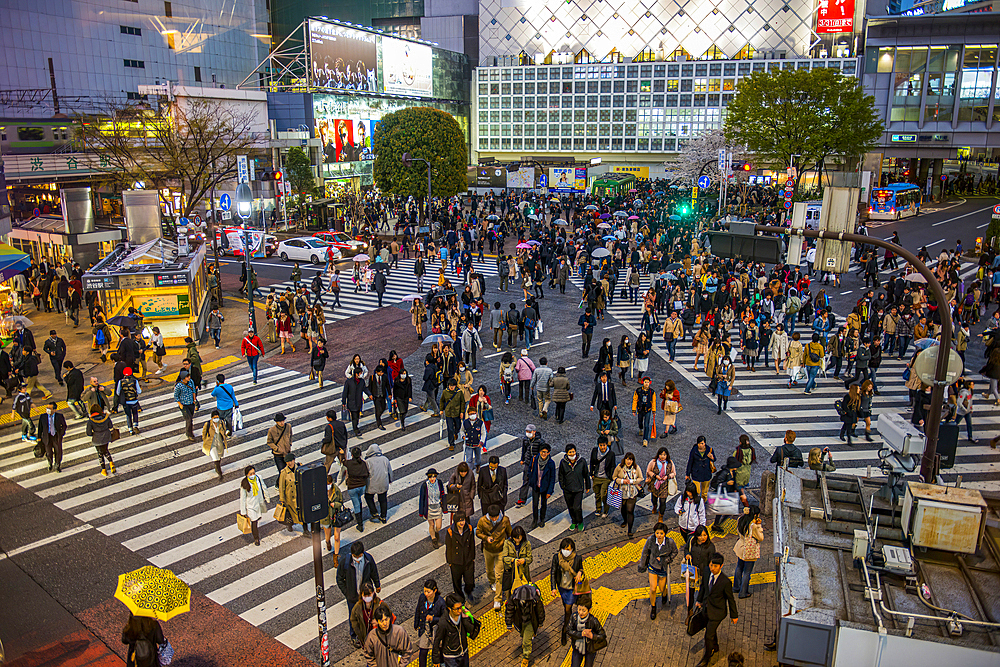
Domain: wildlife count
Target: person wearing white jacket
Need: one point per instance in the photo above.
(778, 347)
(253, 499)
(690, 510)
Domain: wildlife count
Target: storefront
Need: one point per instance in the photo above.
(169, 291)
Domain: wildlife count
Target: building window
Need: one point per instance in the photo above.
(129, 30)
(141, 64)
(197, 74)
(657, 100)
(136, 97)
(505, 89)
(168, 10)
(687, 85)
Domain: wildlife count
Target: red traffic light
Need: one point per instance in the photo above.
(746, 166)
(277, 175)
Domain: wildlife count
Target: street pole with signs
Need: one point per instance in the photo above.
(244, 208)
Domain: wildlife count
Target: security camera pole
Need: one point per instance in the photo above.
(244, 209)
(929, 463)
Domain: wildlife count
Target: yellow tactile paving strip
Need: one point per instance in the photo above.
(606, 601)
(7, 418)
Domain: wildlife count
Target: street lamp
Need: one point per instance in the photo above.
(244, 208)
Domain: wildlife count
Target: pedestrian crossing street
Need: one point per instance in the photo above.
(764, 406)
(401, 282)
(166, 503)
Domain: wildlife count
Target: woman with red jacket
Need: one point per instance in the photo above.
(253, 349)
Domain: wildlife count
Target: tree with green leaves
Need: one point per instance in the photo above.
(800, 118)
(424, 133)
(299, 171)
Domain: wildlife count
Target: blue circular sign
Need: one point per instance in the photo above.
(225, 201)
(704, 182)
(788, 203)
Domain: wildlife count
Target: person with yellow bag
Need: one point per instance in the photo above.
(525, 611)
(253, 502)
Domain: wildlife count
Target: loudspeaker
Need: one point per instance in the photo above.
(947, 444)
(310, 484)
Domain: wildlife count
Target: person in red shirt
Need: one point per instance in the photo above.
(253, 349)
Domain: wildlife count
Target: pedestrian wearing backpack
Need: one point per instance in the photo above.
(144, 637)
(102, 338)
(128, 391)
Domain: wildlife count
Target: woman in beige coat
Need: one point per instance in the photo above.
(778, 348)
(793, 359)
(214, 441)
(417, 314)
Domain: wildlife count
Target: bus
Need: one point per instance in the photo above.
(899, 200)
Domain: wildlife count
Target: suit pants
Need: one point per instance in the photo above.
(54, 450)
(355, 418)
(712, 637)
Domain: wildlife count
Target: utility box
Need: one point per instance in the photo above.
(944, 517)
(838, 214)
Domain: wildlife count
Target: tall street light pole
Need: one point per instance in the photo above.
(244, 208)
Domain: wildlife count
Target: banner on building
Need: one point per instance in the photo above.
(834, 16)
(345, 139)
(341, 57)
(638, 172)
(522, 178)
(568, 179)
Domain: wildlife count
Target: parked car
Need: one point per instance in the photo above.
(305, 249)
(226, 248)
(343, 242)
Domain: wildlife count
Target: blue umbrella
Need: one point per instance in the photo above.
(675, 217)
(609, 238)
(12, 262)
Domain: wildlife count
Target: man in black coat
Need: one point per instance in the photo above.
(353, 398)
(55, 347)
(493, 484)
(380, 284)
(604, 397)
(74, 389)
(51, 429)
(350, 564)
(334, 439)
(715, 596)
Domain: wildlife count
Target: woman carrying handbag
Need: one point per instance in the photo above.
(661, 478)
(747, 548)
(336, 516)
(253, 501)
(670, 401)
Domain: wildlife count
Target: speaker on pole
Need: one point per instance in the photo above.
(310, 483)
(947, 445)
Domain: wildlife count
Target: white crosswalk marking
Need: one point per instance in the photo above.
(165, 503)
(765, 407)
(400, 283)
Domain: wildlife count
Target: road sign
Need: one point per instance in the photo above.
(227, 215)
(37, 212)
(722, 161)
(694, 193)
(184, 222)
(788, 203)
(197, 219)
(704, 182)
(996, 209)
(225, 202)
(242, 169)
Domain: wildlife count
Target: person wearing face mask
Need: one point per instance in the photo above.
(51, 429)
(253, 499)
(475, 438)
(542, 478)
(288, 496)
(569, 582)
(388, 644)
(362, 617)
(602, 467)
(214, 441)
(430, 609)
(402, 393)
(354, 570)
(574, 479)
(460, 554)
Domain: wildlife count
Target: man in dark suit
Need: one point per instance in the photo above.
(604, 397)
(334, 443)
(715, 594)
(51, 429)
(493, 484)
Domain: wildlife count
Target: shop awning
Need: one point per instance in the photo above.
(12, 262)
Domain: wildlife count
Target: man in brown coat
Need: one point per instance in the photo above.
(494, 529)
(279, 439)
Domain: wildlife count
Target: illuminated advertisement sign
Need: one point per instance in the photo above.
(341, 57)
(568, 179)
(522, 178)
(835, 16)
(406, 68)
(345, 139)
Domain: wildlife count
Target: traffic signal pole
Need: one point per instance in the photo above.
(929, 462)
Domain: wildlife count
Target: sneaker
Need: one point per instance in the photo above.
(493, 587)
(496, 606)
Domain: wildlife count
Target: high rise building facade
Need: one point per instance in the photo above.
(592, 77)
(79, 55)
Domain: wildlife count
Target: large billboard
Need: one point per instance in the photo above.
(835, 16)
(406, 68)
(491, 177)
(342, 58)
(568, 179)
(346, 139)
(522, 178)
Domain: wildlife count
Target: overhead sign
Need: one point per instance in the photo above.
(342, 57)
(704, 182)
(225, 202)
(835, 16)
(638, 172)
(406, 67)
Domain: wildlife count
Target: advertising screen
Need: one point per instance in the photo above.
(342, 57)
(568, 179)
(835, 16)
(491, 177)
(406, 68)
(345, 139)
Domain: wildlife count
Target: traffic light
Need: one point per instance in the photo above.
(277, 175)
(267, 175)
(685, 210)
(746, 166)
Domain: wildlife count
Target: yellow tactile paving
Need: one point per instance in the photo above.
(606, 601)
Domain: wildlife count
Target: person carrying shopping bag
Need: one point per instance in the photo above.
(747, 548)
